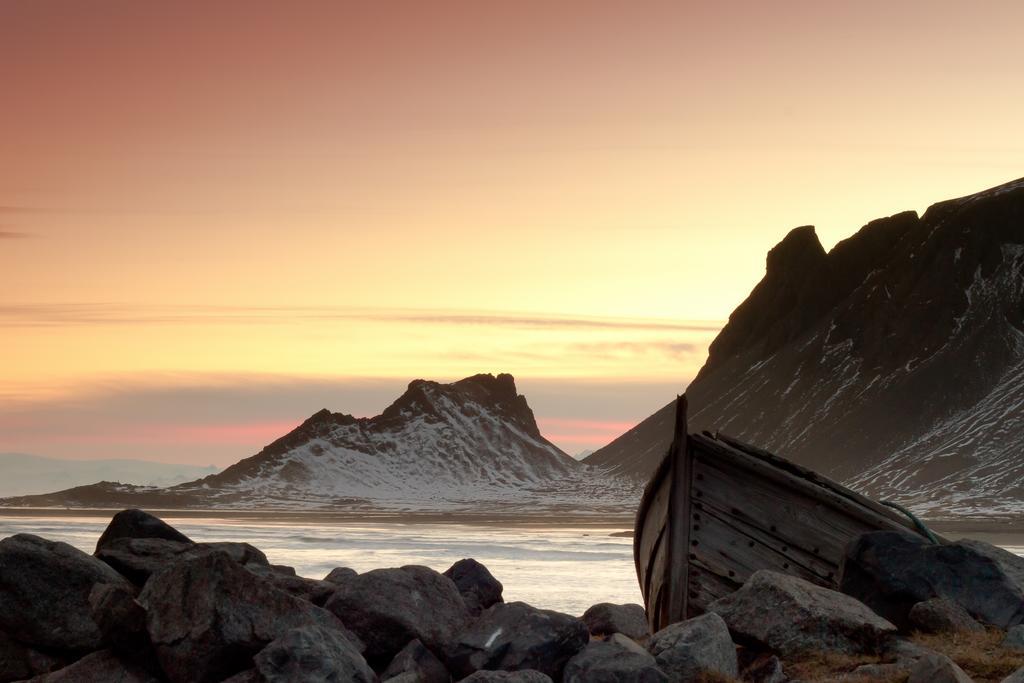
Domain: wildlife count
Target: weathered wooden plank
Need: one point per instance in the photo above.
(678, 527)
(704, 588)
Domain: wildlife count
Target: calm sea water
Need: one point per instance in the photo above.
(564, 569)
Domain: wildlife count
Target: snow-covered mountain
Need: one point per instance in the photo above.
(472, 444)
(894, 362)
(22, 474)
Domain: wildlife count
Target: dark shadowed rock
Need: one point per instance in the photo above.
(937, 668)
(526, 676)
(627, 643)
(137, 558)
(696, 647)
(604, 619)
(603, 662)
(416, 664)
(139, 524)
(122, 621)
(44, 593)
(18, 662)
(207, 616)
(1014, 639)
(479, 589)
(387, 608)
(316, 592)
(340, 575)
(892, 571)
(516, 636)
(247, 676)
(313, 654)
(765, 668)
(791, 616)
(939, 615)
(99, 667)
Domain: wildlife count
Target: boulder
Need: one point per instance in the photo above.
(697, 647)
(207, 616)
(387, 608)
(604, 662)
(138, 558)
(515, 636)
(18, 662)
(789, 616)
(44, 594)
(939, 615)
(122, 621)
(416, 664)
(1016, 677)
(891, 571)
(1014, 639)
(313, 590)
(139, 524)
(313, 654)
(340, 575)
(627, 643)
(525, 676)
(99, 666)
(479, 589)
(937, 668)
(765, 668)
(604, 619)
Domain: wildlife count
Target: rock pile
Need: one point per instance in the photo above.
(153, 606)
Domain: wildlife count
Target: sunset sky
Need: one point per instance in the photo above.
(219, 217)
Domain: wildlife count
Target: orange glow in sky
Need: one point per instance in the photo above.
(198, 195)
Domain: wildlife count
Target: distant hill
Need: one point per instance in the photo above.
(469, 445)
(22, 474)
(894, 362)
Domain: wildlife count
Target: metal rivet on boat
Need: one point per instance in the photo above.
(693, 556)
(785, 565)
(785, 548)
(698, 506)
(696, 527)
(772, 527)
(732, 573)
(693, 596)
(697, 517)
(816, 551)
(700, 494)
(694, 543)
(751, 544)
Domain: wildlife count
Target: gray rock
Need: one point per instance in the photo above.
(1016, 677)
(765, 669)
(937, 668)
(940, 615)
(138, 558)
(207, 616)
(99, 666)
(416, 664)
(387, 608)
(139, 524)
(18, 662)
(515, 636)
(479, 589)
(44, 594)
(696, 647)
(313, 654)
(340, 575)
(789, 616)
(605, 619)
(1014, 639)
(525, 676)
(122, 620)
(604, 662)
(627, 643)
(313, 590)
(891, 571)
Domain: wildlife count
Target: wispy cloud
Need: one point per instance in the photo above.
(38, 315)
(13, 235)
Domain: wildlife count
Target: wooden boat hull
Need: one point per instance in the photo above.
(717, 510)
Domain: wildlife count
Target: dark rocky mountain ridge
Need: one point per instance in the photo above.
(894, 362)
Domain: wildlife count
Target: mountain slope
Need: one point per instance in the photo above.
(439, 446)
(22, 474)
(892, 362)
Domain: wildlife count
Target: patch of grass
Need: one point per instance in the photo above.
(827, 667)
(978, 654)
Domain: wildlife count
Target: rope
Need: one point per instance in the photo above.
(918, 524)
